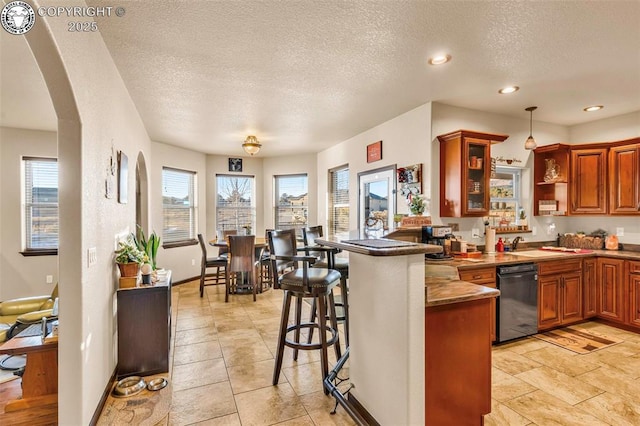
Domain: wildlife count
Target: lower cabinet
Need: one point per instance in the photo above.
(144, 329)
(634, 290)
(560, 297)
(589, 288)
(611, 289)
(487, 278)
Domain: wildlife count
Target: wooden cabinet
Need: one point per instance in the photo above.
(588, 181)
(465, 168)
(589, 288)
(559, 293)
(552, 192)
(633, 274)
(144, 329)
(487, 278)
(611, 289)
(624, 179)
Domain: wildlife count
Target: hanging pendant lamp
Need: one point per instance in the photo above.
(531, 142)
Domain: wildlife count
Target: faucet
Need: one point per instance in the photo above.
(514, 243)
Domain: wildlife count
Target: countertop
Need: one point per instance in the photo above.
(533, 255)
(378, 247)
(446, 291)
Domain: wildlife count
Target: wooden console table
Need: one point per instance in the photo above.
(40, 378)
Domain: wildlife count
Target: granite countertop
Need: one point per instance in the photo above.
(446, 291)
(378, 247)
(533, 255)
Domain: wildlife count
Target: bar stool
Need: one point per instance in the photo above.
(325, 258)
(299, 283)
(210, 262)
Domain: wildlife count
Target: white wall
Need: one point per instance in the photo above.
(184, 262)
(606, 130)
(405, 141)
(21, 276)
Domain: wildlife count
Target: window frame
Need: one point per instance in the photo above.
(27, 230)
(277, 206)
(252, 208)
(332, 205)
(516, 172)
(193, 209)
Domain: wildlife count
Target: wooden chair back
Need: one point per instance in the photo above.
(242, 255)
(309, 235)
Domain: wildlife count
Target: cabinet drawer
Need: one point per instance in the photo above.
(555, 267)
(479, 276)
(634, 267)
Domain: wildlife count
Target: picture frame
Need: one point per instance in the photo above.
(235, 164)
(374, 152)
(410, 179)
(123, 175)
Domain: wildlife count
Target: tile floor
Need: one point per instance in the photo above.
(223, 356)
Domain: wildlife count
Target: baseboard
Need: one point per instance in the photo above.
(103, 400)
(359, 408)
(186, 280)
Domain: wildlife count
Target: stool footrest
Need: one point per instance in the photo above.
(309, 346)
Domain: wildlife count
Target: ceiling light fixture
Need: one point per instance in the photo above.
(251, 145)
(440, 59)
(508, 89)
(593, 108)
(531, 142)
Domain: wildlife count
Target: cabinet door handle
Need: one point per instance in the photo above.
(477, 277)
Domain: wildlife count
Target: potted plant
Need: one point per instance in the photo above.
(129, 257)
(416, 205)
(148, 246)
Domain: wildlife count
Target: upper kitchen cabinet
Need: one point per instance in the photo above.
(624, 178)
(588, 180)
(465, 172)
(551, 178)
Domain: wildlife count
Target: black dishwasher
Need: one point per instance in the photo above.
(517, 305)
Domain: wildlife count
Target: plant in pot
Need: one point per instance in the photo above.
(416, 205)
(129, 258)
(149, 246)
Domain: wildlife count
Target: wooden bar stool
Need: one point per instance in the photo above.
(325, 258)
(210, 262)
(299, 283)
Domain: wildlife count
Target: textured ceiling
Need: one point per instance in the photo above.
(304, 75)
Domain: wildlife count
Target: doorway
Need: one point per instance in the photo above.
(376, 189)
(142, 195)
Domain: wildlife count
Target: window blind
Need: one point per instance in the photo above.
(235, 205)
(41, 203)
(291, 203)
(339, 201)
(179, 207)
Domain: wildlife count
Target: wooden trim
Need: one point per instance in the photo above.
(103, 399)
(40, 252)
(185, 243)
(359, 408)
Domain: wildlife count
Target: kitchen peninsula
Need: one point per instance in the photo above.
(403, 326)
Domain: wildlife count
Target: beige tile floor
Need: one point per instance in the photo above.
(223, 358)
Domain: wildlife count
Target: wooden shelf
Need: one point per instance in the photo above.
(551, 183)
(498, 231)
(476, 168)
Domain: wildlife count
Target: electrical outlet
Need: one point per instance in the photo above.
(620, 232)
(455, 227)
(475, 233)
(534, 231)
(92, 256)
(49, 279)
(193, 262)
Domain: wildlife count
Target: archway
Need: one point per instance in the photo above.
(142, 194)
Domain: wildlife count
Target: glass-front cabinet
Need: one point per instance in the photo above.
(465, 171)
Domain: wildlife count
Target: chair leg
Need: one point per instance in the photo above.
(202, 274)
(322, 331)
(284, 322)
(298, 321)
(312, 319)
(227, 285)
(255, 284)
(334, 323)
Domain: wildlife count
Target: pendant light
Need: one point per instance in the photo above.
(531, 142)
(251, 145)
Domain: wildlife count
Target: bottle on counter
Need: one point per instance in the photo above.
(500, 245)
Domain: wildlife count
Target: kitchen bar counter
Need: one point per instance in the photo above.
(445, 291)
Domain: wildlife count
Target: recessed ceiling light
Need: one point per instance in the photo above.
(509, 89)
(440, 59)
(593, 108)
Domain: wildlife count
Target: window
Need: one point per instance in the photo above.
(235, 203)
(179, 206)
(40, 204)
(339, 201)
(291, 201)
(505, 196)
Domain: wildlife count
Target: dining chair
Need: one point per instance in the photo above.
(210, 262)
(223, 251)
(303, 282)
(326, 258)
(242, 269)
